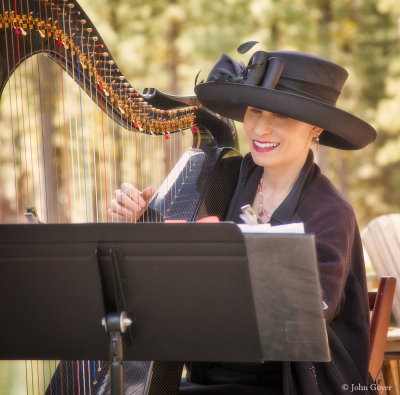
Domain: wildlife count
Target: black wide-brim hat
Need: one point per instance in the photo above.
(294, 84)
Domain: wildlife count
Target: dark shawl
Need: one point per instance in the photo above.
(324, 211)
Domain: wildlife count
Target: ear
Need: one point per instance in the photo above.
(316, 131)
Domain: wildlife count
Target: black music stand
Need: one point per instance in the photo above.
(190, 290)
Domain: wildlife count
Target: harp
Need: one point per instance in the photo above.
(73, 129)
(67, 165)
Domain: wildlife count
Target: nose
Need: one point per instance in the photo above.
(263, 126)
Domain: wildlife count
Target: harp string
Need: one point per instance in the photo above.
(38, 381)
(35, 122)
(15, 133)
(71, 123)
(42, 188)
(82, 127)
(64, 124)
(11, 113)
(22, 109)
(29, 115)
(32, 375)
(79, 378)
(104, 154)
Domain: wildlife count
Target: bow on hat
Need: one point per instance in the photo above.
(262, 70)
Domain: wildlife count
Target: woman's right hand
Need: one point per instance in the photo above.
(129, 203)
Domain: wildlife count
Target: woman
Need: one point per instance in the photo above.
(287, 102)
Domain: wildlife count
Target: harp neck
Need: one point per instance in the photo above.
(64, 32)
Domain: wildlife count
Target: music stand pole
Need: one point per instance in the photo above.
(115, 325)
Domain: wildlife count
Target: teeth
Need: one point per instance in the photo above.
(265, 145)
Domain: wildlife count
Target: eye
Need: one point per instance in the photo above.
(255, 110)
(280, 116)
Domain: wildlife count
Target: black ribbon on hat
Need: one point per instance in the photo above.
(262, 70)
(265, 71)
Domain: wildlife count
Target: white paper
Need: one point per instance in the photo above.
(297, 227)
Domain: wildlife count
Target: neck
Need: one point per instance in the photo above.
(277, 183)
(281, 180)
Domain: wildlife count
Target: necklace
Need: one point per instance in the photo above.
(261, 212)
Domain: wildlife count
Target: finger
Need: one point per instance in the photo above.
(148, 193)
(125, 201)
(117, 208)
(133, 193)
(115, 217)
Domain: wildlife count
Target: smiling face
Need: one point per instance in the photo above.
(276, 141)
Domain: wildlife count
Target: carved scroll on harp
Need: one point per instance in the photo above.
(63, 32)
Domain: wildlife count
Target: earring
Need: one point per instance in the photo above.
(317, 143)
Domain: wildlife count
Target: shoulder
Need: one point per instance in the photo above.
(323, 205)
(248, 164)
(249, 170)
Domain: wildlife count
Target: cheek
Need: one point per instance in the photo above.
(248, 131)
(248, 126)
(249, 123)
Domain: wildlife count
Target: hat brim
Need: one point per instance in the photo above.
(342, 130)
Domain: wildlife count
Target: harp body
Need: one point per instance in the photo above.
(65, 161)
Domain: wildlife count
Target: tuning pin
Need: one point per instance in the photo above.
(101, 87)
(137, 126)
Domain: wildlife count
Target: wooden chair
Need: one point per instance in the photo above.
(380, 303)
(381, 239)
